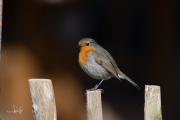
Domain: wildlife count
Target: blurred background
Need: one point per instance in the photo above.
(39, 39)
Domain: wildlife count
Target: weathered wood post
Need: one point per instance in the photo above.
(1, 4)
(152, 107)
(43, 100)
(94, 105)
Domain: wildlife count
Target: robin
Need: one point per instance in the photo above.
(98, 63)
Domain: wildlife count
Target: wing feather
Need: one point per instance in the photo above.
(104, 59)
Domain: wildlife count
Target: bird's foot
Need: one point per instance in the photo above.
(94, 89)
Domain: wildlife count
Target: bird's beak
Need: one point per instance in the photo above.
(78, 46)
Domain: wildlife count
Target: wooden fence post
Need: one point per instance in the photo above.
(43, 100)
(152, 107)
(94, 105)
(1, 6)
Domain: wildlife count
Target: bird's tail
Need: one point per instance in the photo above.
(123, 76)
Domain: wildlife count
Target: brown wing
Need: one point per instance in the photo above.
(105, 63)
(104, 58)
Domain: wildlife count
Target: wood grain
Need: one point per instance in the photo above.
(94, 105)
(43, 100)
(152, 103)
(1, 4)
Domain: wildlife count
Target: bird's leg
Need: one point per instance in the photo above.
(99, 84)
(95, 87)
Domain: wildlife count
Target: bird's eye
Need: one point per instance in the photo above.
(87, 44)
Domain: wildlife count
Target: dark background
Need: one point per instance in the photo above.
(39, 39)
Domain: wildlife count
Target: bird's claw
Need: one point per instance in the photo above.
(94, 89)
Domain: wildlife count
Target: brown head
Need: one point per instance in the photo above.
(86, 45)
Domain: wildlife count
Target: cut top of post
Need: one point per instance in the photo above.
(35, 79)
(97, 90)
(151, 86)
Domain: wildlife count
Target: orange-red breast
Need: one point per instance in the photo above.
(98, 63)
